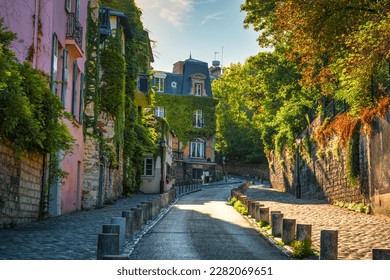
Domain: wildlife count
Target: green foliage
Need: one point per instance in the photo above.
(30, 113)
(240, 207)
(357, 207)
(113, 77)
(237, 136)
(179, 114)
(341, 47)
(301, 249)
(113, 91)
(233, 201)
(263, 224)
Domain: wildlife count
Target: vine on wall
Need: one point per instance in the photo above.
(179, 114)
(30, 113)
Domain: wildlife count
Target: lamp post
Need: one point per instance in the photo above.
(298, 186)
(162, 145)
(223, 169)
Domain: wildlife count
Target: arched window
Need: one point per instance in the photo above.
(197, 148)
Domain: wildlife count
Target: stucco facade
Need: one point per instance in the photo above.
(51, 36)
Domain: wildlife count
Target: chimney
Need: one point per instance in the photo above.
(178, 67)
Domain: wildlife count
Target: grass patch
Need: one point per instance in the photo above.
(301, 249)
(239, 206)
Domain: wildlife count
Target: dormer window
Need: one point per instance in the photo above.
(159, 85)
(198, 84)
(159, 81)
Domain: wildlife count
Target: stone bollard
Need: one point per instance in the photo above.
(149, 215)
(108, 244)
(129, 215)
(381, 254)
(264, 214)
(250, 203)
(155, 207)
(111, 228)
(257, 212)
(115, 257)
(328, 244)
(122, 231)
(276, 223)
(288, 234)
(303, 232)
(136, 216)
(144, 209)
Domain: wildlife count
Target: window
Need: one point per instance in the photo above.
(159, 112)
(197, 148)
(77, 9)
(54, 62)
(159, 84)
(68, 5)
(74, 88)
(81, 105)
(198, 118)
(173, 84)
(198, 89)
(64, 76)
(143, 83)
(148, 167)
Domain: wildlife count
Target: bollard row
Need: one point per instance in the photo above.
(111, 241)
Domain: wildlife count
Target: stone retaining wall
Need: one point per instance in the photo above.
(326, 177)
(20, 187)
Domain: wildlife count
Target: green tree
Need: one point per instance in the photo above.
(340, 46)
(237, 135)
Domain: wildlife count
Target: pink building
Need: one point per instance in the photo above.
(51, 36)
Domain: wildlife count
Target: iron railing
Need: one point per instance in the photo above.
(74, 29)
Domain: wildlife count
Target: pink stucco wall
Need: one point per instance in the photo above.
(35, 22)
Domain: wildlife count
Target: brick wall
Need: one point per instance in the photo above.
(20, 187)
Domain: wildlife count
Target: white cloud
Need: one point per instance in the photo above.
(173, 12)
(208, 18)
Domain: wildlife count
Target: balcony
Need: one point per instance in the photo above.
(74, 35)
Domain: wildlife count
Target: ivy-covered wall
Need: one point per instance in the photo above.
(179, 112)
(117, 133)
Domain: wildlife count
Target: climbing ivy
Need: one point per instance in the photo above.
(137, 138)
(179, 114)
(30, 113)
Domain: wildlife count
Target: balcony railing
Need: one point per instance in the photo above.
(74, 29)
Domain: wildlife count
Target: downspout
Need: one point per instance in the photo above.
(43, 199)
(37, 15)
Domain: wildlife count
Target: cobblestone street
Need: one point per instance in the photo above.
(70, 236)
(358, 233)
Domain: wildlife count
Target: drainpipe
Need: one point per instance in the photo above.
(37, 15)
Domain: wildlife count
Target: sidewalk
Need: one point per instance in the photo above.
(70, 236)
(358, 233)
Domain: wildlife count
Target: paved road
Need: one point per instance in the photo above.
(201, 226)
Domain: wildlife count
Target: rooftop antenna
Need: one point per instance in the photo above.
(222, 61)
(190, 56)
(215, 55)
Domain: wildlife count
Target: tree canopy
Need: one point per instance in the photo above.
(341, 47)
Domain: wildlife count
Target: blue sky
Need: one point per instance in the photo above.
(199, 27)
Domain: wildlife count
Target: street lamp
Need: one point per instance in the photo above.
(162, 145)
(298, 187)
